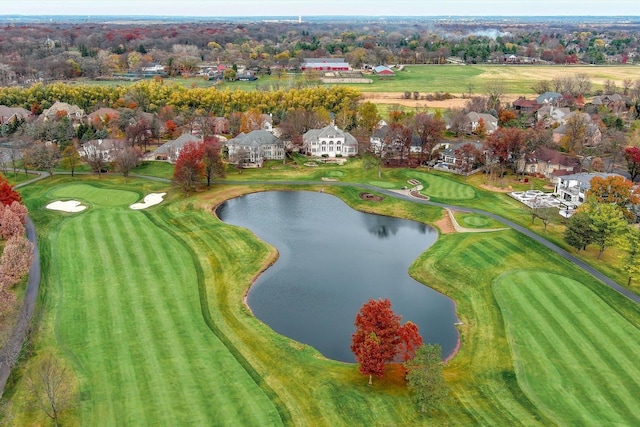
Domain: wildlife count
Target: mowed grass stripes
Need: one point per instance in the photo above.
(130, 319)
(441, 188)
(575, 356)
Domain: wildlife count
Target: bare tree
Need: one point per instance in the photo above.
(42, 156)
(126, 159)
(582, 84)
(51, 387)
(429, 129)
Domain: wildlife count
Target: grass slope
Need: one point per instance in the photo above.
(167, 293)
(574, 354)
(440, 188)
(129, 318)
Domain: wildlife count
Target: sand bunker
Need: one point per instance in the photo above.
(149, 200)
(66, 206)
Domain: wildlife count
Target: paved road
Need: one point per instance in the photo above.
(14, 344)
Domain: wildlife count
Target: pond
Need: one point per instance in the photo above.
(332, 260)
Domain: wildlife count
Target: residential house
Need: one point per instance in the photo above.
(62, 109)
(267, 122)
(593, 135)
(104, 116)
(551, 115)
(253, 148)
(473, 122)
(9, 114)
(381, 136)
(549, 163)
(325, 64)
(524, 105)
(329, 142)
(572, 189)
(170, 150)
(105, 149)
(613, 102)
(549, 98)
(452, 156)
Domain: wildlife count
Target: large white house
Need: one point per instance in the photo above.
(253, 148)
(573, 188)
(329, 142)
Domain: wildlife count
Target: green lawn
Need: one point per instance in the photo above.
(471, 220)
(442, 189)
(155, 168)
(575, 356)
(483, 376)
(146, 308)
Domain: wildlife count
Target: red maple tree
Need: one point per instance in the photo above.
(410, 341)
(7, 194)
(190, 169)
(632, 155)
(380, 338)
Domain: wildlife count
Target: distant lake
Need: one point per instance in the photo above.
(333, 259)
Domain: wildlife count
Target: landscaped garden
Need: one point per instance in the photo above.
(146, 310)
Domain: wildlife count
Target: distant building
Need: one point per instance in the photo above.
(325, 64)
(383, 70)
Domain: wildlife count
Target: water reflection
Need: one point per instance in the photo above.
(332, 259)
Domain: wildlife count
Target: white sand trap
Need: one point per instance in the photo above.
(149, 200)
(66, 206)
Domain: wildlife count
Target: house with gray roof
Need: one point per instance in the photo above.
(553, 98)
(473, 122)
(62, 109)
(253, 148)
(104, 149)
(329, 142)
(9, 114)
(170, 150)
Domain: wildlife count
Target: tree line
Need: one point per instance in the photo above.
(43, 51)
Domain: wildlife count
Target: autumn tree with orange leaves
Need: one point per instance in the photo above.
(380, 338)
(190, 169)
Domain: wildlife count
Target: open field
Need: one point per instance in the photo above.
(152, 321)
(574, 355)
(515, 79)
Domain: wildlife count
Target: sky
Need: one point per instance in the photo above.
(323, 7)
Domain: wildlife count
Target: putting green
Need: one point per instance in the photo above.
(471, 220)
(441, 188)
(96, 196)
(575, 356)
